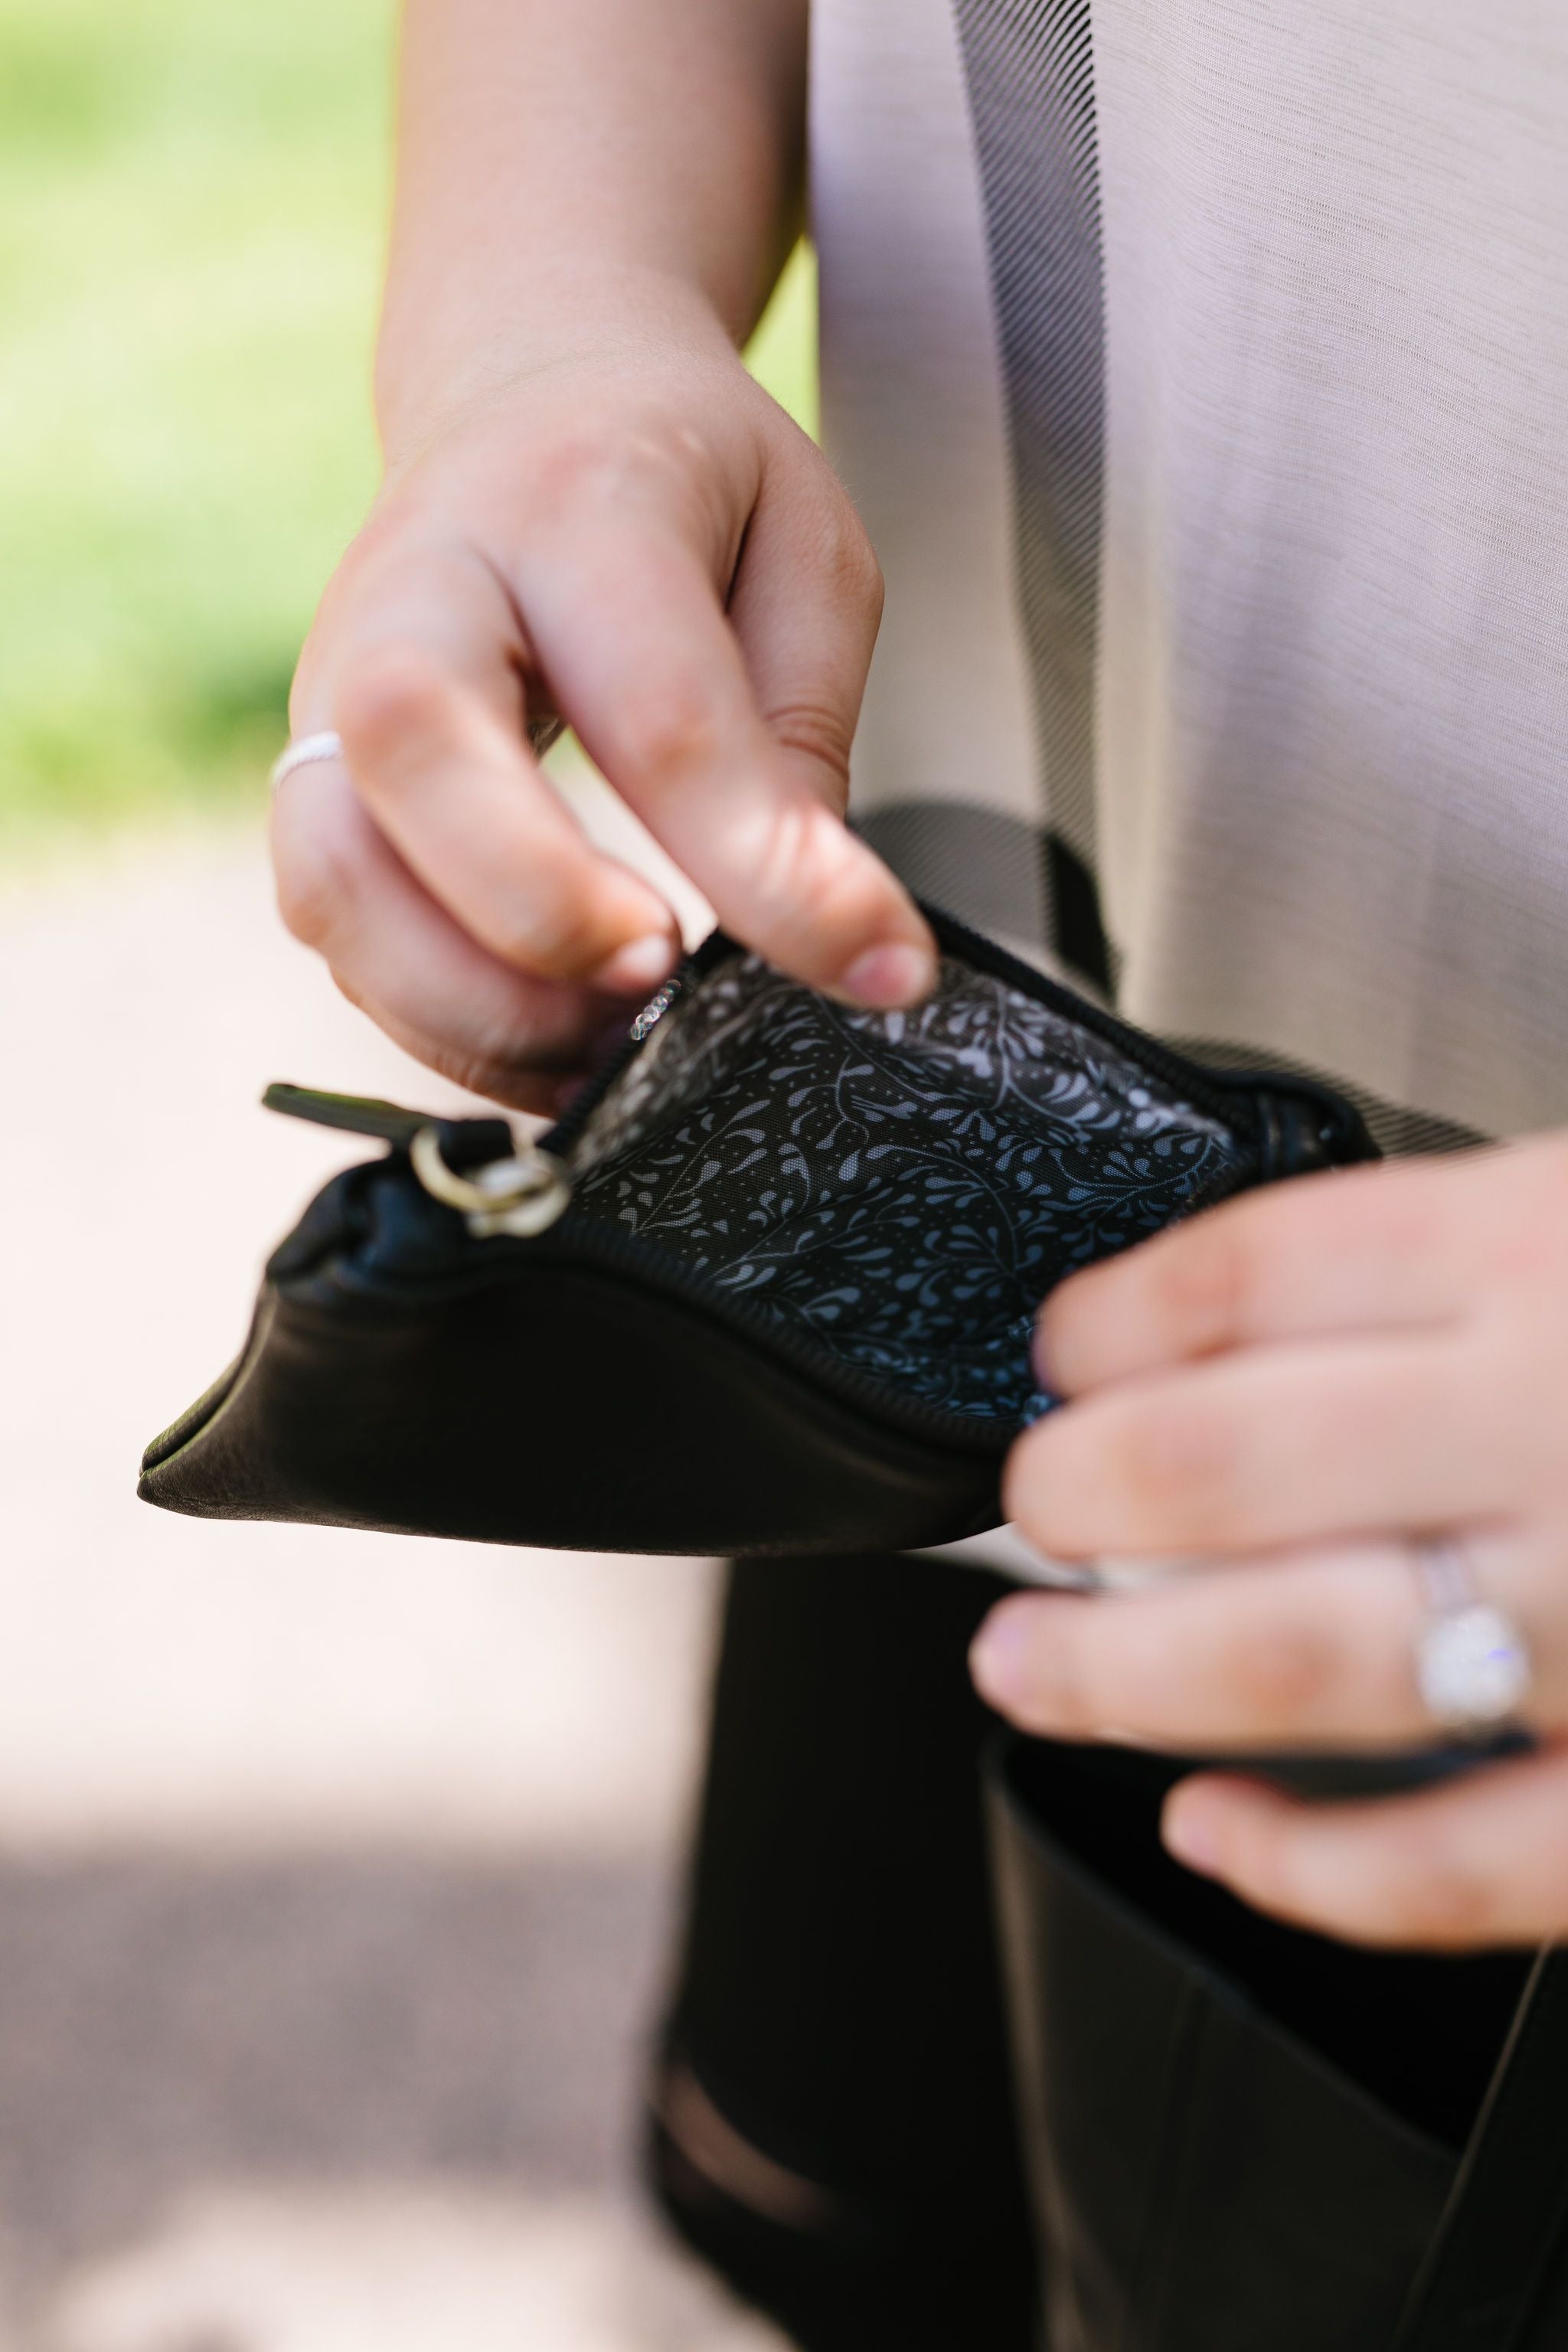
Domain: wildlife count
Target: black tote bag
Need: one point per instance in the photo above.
(1231, 2141)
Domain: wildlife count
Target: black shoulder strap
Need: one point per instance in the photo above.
(1508, 2209)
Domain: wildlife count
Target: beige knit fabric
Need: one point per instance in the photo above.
(1331, 666)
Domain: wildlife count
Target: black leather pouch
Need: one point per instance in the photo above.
(769, 1289)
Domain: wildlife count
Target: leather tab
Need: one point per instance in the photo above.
(465, 1142)
(357, 1114)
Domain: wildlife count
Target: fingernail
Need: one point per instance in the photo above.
(637, 968)
(1191, 1840)
(998, 1658)
(887, 978)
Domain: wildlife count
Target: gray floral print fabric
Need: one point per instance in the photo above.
(905, 1187)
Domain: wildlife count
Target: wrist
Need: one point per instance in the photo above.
(441, 360)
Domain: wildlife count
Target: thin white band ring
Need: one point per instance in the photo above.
(305, 752)
(1472, 1662)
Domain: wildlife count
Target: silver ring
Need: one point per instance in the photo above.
(305, 752)
(306, 749)
(1472, 1662)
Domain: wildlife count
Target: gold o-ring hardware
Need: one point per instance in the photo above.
(519, 1196)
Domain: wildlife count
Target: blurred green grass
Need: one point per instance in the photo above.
(192, 200)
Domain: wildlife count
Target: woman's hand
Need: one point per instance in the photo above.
(628, 532)
(1295, 1389)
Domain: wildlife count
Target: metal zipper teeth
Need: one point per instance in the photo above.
(696, 966)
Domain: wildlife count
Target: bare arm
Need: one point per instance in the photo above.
(589, 508)
(559, 160)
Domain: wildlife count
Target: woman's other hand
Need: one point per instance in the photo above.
(1295, 1390)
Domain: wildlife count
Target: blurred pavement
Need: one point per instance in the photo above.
(335, 1869)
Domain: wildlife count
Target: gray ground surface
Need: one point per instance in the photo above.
(335, 1872)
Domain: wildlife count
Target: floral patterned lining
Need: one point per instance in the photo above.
(906, 1187)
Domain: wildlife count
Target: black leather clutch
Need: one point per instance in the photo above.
(768, 1288)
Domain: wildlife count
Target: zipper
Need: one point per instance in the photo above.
(498, 1181)
(1256, 1093)
(615, 1250)
(569, 1127)
(1207, 1090)
(1160, 1061)
(1238, 1101)
(352, 1114)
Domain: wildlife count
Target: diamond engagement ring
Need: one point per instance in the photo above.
(304, 751)
(1472, 1663)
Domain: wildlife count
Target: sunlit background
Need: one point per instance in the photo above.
(191, 208)
(335, 1872)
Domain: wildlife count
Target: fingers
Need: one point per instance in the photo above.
(1481, 1861)
(1327, 1438)
(393, 950)
(1314, 1652)
(424, 688)
(1372, 1248)
(806, 608)
(630, 630)
(598, 568)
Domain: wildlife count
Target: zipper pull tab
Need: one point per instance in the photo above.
(499, 1183)
(356, 1114)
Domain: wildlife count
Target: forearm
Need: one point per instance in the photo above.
(563, 166)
